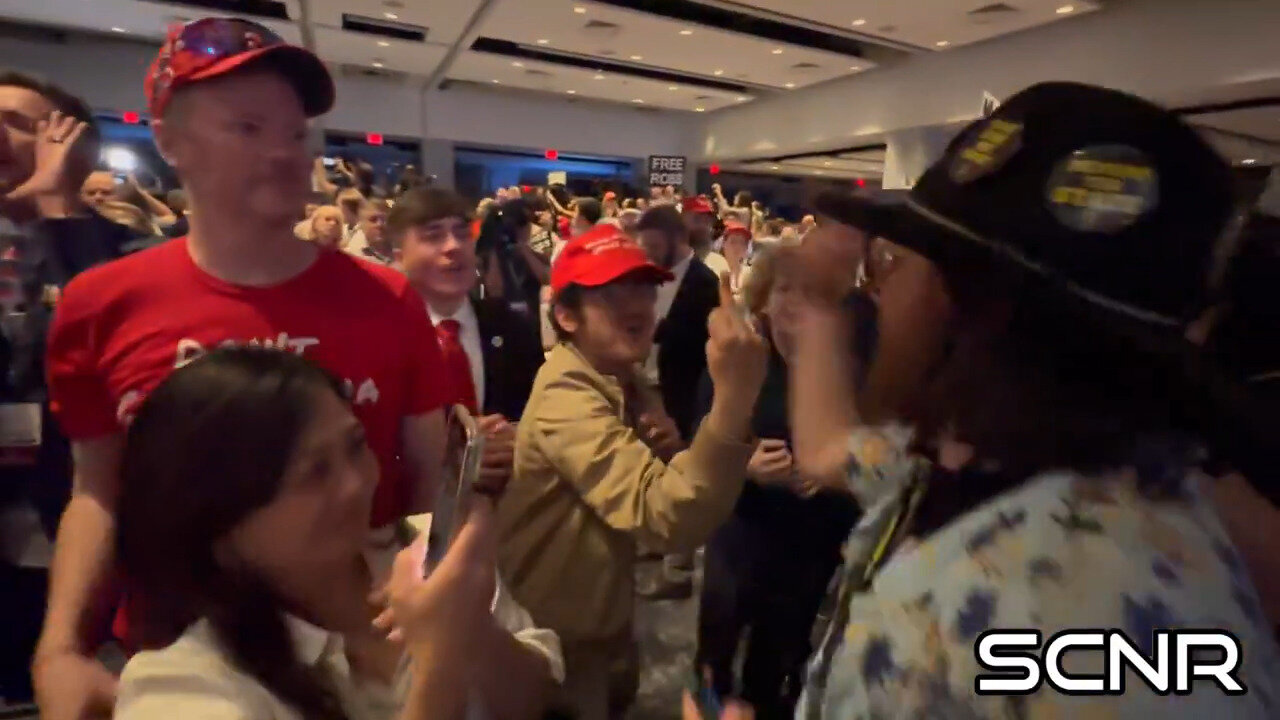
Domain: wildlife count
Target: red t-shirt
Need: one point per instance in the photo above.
(120, 328)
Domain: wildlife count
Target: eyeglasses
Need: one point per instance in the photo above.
(879, 262)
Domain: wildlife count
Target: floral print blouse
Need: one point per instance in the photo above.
(1059, 551)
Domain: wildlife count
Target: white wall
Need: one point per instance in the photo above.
(108, 75)
(1174, 51)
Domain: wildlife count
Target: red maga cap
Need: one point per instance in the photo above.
(698, 204)
(599, 257)
(212, 47)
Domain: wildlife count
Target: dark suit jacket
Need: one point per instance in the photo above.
(512, 354)
(682, 344)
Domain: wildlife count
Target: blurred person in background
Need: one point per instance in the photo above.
(131, 191)
(510, 269)
(370, 239)
(591, 482)
(768, 567)
(176, 199)
(609, 204)
(247, 487)
(145, 231)
(409, 178)
(491, 352)
(232, 121)
(1050, 430)
(349, 201)
(807, 223)
(589, 213)
(48, 235)
(678, 356)
(736, 248)
(629, 221)
(98, 188)
(324, 228)
(700, 219)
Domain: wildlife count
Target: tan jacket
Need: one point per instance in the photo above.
(586, 489)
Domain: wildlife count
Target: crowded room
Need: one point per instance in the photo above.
(639, 360)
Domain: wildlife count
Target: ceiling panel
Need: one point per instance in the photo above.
(131, 17)
(1261, 123)
(445, 21)
(573, 82)
(931, 24)
(339, 46)
(635, 38)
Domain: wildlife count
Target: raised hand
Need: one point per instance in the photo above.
(660, 433)
(737, 356)
(56, 138)
(771, 463)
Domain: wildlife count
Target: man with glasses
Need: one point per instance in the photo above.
(230, 102)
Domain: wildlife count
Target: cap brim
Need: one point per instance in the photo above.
(306, 72)
(902, 225)
(643, 271)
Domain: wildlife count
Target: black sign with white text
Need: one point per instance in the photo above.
(666, 170)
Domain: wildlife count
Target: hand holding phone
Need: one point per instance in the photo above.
(463, 450)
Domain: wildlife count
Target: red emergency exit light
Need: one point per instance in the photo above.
(552, 154)
(130, 117)
(861, 182)
(373, 138)
(715, 169)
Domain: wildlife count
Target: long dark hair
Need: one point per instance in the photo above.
(208, 447)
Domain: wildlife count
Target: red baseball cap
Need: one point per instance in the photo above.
(732, 227)
(599, 257)
(611, 195)
(698, 204)
(212, 47)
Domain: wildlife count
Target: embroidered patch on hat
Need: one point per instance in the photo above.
(1103, 188)
(990, 146)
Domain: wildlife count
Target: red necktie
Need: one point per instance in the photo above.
(456, 364)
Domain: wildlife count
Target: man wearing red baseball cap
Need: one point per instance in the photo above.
(700, 218)
(591, 482)
(229, 102)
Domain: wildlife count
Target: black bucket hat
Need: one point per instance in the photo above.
(1102, 194)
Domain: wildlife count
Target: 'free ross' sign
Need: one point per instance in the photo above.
(666, 170)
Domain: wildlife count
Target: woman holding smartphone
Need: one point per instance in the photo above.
(244, 526)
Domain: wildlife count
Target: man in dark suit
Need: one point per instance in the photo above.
(679, 354)
(491, 352)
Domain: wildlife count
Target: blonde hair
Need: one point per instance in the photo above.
(306, 230)
(770, 261)
(129, 215)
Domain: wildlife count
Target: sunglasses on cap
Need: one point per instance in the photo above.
(209, 47)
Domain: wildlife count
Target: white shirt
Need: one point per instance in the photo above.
(469, 338)
(194, 678)
(662, 306)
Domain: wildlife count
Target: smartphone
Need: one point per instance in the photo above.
(329, 162)
(710, 705)
(463, 448)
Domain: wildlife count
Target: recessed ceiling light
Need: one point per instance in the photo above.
(854, 68)
(686, 32)
(817, 172)
(699, 109)
(117, 29)
(673, 87)
(859, 22)
(638, 100)
(1066, 9)
(391, 16)
(775, 167)
(943, 43)
(497, 82)
(572, 92)
(580, 10)
(1248, 161)
(741, 99)
(383, 43)
(598, 77)
(637, 57)
(777, 51)
(789, 85)
(718, 73)
(377, 64)
(827, 163)
(517, 64)
(543, 41)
